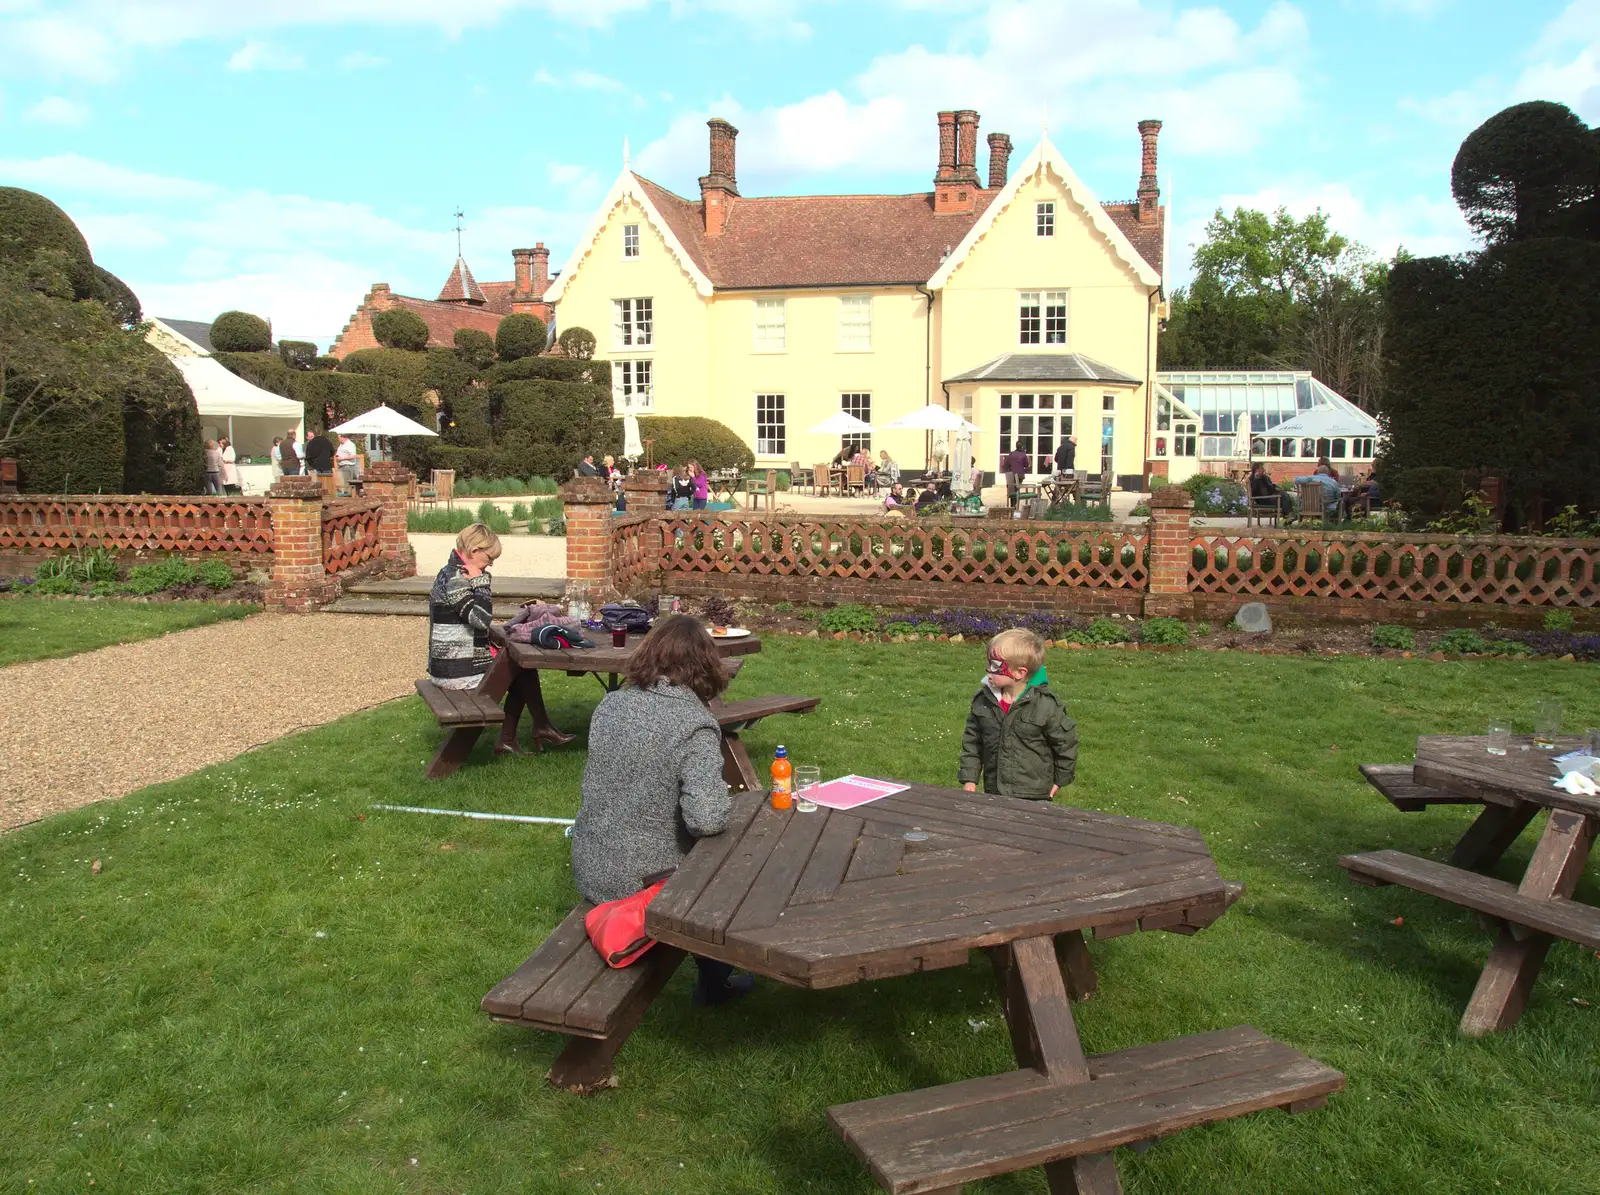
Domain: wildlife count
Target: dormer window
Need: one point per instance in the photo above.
(630, 240)
(1044, 219)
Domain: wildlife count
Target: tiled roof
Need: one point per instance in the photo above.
(818, 240)
(497, 296)
(460, 287)
(842, 240)
(199, 331)
(444, 318)
(1045, 367)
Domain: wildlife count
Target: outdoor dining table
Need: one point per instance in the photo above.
(603, 661)
(1514, 788)
(1061, 487)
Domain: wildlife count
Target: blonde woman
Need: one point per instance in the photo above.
(460, 612)
(213, 468)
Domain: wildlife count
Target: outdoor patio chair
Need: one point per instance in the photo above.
(444, 486)
(821, 478)
(1091, 488)
(1312, 498)
(797, 476)
(1260, 510)
(855, 479)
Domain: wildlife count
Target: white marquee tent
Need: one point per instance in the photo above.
(246, 414)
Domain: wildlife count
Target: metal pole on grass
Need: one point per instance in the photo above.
(482, 817)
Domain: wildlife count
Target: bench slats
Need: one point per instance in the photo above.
(1394, 781)
(945, 1136)
(742, 714)
(509, 997)
(460, 707)
(1564, 919)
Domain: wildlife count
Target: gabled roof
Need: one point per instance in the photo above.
(196, 332)
(1046, 367)
(1045, 156)
(460, 287)
(630, 186)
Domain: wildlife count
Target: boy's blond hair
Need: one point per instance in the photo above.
(477, 536)
(1020, 648)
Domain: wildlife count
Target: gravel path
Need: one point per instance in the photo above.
(106, 722)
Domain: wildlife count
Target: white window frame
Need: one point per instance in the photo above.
(770, 327)
(1044, 219)
(630, 242)
(633, 323)
(1030, 327)
(855, 331)
(859, 404)
(1053, 310)
(633, 386)
(768, 445)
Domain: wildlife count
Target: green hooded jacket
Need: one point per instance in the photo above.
(1023, 751)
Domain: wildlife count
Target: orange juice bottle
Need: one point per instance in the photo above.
(782, 779)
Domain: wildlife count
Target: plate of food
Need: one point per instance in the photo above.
(729, 632)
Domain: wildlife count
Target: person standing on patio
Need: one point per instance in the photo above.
(289, 455)
(1015, 467)
(701, 486)
(213, 468)
(653, 780)
(1067, 454)
(319, 454)
(349, 462)
(460, 611)
(1019, 740)
(230, 469)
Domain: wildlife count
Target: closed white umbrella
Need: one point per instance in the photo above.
(841, 424)
(383, 421)
(961, 472)
(632, 445)
(933, 418)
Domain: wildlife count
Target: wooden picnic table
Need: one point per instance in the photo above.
(1514, 789)
(603, 661)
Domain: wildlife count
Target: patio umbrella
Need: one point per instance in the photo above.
(1326, 421)
(383, 421)
(934, 418)
(842, 423)
(632, 446)
(961, 472)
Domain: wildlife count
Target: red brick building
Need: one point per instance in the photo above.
(463, 302)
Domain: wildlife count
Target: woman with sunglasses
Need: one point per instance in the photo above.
(1019, 740)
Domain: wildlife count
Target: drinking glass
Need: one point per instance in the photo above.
(805, 777)
(1592, 740)
(619, 637)
(1546, 724)
(1499, 737)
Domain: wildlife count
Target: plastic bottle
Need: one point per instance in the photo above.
(782, 779)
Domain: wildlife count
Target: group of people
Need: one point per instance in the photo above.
(875, 474)
(1017, 465)
(222, 473)
(653, 780)
(1336, 501)
(317, 457)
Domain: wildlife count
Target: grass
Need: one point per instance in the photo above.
(272, 988)
(504, 487)
(43, 628)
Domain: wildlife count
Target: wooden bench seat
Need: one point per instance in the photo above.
(566, 987)
(1558, 917)
(1394, 781)
(941, 1137)
(460, 707)
(742, 715)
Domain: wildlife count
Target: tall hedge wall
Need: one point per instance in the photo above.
(558, 369)
(30, 222)
(681, 439)
(547, 426)
(75, 449)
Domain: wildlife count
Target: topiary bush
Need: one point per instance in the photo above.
(325, 362)
(240, 332)
(475, 347)
(298, 354)
(162, 448)
(1429, 493)
(400, 328)
(518, 336)
(266, 370)
(555, 368)
(29, 222)
(117, 297)
(679, 439)
(1393, 638)
(577, 343)
(1164, 632)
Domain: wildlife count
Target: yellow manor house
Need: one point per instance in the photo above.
(1026, 305)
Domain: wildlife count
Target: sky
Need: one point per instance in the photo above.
(280, 156)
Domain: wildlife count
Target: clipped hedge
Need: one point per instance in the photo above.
(76, 448)
(518, 336)
(679, 439)
(557, 369)
(577, 343)
(118, 297)
(547, 426)
(476, 348)
(240, 332)
(1429, 492)
(399, 328)
(162, 448)
(29, 222)
(266, 370)
(297, 354)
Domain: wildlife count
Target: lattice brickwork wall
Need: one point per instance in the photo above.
(46, 524)
(351, 533)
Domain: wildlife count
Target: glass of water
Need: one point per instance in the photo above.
(805, 777)
(1499, 737)
(1546, 724)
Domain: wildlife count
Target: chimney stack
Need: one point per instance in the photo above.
(999, 159)
(1149, 189)
(720, 187)
(967, 147)
(946, 173)
(541, 269)
(521, 272)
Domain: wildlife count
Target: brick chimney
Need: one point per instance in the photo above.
(532, 273)
(1149, 189)
(947, 150)
(720, 187)
(999, 159)
(967, 147)
(954, 184)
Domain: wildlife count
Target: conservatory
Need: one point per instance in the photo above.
(1285, 416)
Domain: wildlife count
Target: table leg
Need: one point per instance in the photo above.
(1076, 965)
(584, 1066)
(459, 742)
(737, 770)
(1490, 836)
(1553, 872)
(1044, 1037)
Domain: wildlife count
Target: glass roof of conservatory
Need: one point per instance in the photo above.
(1223, 400)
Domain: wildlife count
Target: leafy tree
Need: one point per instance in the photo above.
(1530, 170)
(475, 347)
(518, 336)
(118, 298)
(398, 328)
(577, 343)
(30, 222)
(297, 354)
(240, 332)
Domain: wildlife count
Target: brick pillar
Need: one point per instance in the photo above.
(587, 502)
(1169, 595)
(647, 491)
(390, 483)
(299, 582)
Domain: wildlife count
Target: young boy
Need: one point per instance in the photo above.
(1019, 739)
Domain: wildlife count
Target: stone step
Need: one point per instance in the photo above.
(522, 589)
(416, 608)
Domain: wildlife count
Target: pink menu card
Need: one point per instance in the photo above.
(849, 791)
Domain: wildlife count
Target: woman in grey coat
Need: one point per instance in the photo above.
(653, 782)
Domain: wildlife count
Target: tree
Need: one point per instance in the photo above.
(518, 336)
(240, 332)
(398, 328)
(1531, 170)
(577, 343)
(118, 297)
(475, 347)
(29, 222)
(297, 354)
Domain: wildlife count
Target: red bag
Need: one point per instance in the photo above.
(616, 928)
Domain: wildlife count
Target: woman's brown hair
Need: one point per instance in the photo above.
(681, 652)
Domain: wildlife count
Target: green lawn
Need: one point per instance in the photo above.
(271, 988)
(34, 628)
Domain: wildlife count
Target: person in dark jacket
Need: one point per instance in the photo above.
(319, 454)
(460, 611)
(289, 455)
(1066, 454)
(1015, 467)
(653, 781)
(1262, 486)
(1019, 740)
(587, 467)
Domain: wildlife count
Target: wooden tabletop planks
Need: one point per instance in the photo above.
(1462, 765)
(603, 657)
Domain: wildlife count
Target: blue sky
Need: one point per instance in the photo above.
(281, 155)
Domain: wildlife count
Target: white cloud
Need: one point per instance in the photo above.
(55, 109)
(1460, 110)
(264, 56)
(360, 60)
(544, 78)
(590, 81)
(73, 175)
(1567, 62)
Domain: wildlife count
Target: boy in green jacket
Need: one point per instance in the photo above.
(1019, 739)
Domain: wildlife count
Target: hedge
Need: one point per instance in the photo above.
(518, 336)
(30, 222)
(577, 343)
(469, 423)
(76, 448)
(240, 332)
(547, 426)
(398, 328)
(118, 297)
(162, 448)
(266, 370)
(679, 439)
(297, 354)
(558, 369)
(423, 455)
(476, 347)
